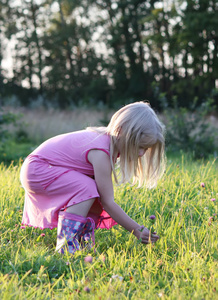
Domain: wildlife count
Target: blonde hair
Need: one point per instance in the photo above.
(130, 125)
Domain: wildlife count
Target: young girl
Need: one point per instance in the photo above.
(68, 182)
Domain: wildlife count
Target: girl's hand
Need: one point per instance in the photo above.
(146, 237)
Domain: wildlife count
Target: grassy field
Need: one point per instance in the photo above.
(183, 264)
(41, 124)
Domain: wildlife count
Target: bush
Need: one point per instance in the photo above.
(189, 129)
(14, 144)
(6, 118)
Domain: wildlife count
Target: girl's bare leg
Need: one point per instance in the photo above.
(81, 208)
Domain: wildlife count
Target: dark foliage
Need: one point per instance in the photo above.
(109, 52)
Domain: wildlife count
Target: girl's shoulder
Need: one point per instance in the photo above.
(98, 137)
(89, 137)
(96, 140)
(94, 133)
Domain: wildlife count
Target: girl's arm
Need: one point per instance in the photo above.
(102, 169)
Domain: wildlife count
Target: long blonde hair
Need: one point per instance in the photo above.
(129, 125)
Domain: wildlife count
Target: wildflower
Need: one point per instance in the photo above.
(213, 199)
(211, 219)
(88, 259)
(22, 227)
(152, 221)
(42, 234)
(202, 184)
(87, 289)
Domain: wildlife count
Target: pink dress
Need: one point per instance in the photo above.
(58, 174)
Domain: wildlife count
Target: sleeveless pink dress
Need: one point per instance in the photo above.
(58, 174)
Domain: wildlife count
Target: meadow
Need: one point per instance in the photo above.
(183, 264)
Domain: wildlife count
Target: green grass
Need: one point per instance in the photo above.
(181, 265)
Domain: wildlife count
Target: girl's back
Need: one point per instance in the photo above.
(71, 149)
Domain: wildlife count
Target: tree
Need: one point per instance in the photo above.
(196, 39)
(159, 42)
(111, 51)
(29, 48)
(74, 68)
(7, 29)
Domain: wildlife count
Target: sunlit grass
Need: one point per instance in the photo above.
(181, 265)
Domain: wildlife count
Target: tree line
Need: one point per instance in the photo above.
(110, 51)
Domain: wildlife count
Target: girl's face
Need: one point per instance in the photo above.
(143, 146)
(142, 151)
